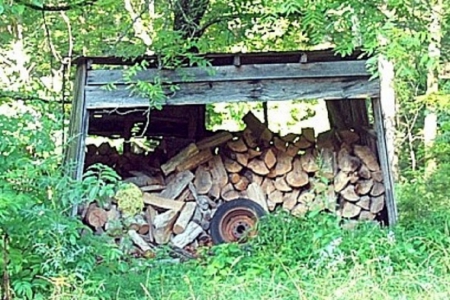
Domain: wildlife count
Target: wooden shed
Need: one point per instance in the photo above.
(353, 100)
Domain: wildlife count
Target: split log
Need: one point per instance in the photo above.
(377, 176)
(347, 162)
(350, 210)
(150, 214)
(215, 140)
(297, 177)
(364, 202)
(292, 150)
(232, 166)
(258, 167)
(350, 137)
(303, 143)
(290, 199)
(272, 173)
(242, 158)
(364, 172)
(340, 181)
(258, 129)
(326, 163)
(162, 202)
(172, 163)
(185, 216)
(364, 186)
(242, 184)
(282, 185)
(177, 185)
(256, 194)
(214, 192)
(354, 177)
(275, 196)
(139, 241)
(152, 188)
(203, 180)
(237, 145)
(249, 138)
(309, 134)
(234, 178)
(366, 216)
(290, 137)
(195, 160)
(306, 197)
(269, 158)
(228, 193)
(268, 186)
(367, 157)
(317, 186)
(299, 210)
(192, 231)
(284, 164)
(308, 162)
(349, 193)
(377, 189)
(252, 153)
(376, 204)
(271, 205)
(279, 144)
(218, 172)
(96, 216)
(163, 226)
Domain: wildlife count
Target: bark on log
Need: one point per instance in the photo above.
(218, 172)
(162, 202)
(172, 163)
(177, 185)
(309, 134)
(249, 138)
(195, 160)
(215, 140)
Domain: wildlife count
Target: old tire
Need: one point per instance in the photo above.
(233, 220)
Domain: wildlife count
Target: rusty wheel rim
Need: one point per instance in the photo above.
(238, 224)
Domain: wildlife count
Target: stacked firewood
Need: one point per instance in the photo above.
(295, 172)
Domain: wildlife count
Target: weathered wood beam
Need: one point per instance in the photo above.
(355, 68)
(254, 90)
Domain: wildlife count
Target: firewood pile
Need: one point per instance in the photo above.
(297, 173)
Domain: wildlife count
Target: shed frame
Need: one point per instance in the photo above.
(274, 76)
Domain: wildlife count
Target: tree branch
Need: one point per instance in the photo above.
(57, 8)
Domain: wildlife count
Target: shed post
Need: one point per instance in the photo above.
(384, 114)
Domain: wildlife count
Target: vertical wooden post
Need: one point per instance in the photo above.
(384, 115)
(75, 154)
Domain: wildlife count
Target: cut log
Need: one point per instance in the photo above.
(269, 158)
(232, 166)
(139, 241)
(163, 226)
(377, 176)
(308, 162)
(215, 140)
(195, 160)
(340, 181)
(347, 162)
(172, 163)
(214, 192)
(272, 173)
(242, 158)
(185, 196)
(258, 167)
(303, 143)
(318, 187)
(276, 196)
(268, 185)
(252, 153)
(177, 185)
(256, 194)
(282, 185)
(364, 172)
(96, 216)
(284, 164)
(376, 204)
(327, 140)
(367, 157)
(326, 163)
(153, 188)
(290, 137)
(309, 134)
(297, 177)
(228, 193)
(350, 210)
(249, 138)
(306, 197)
(279, 144)
(193, 230)
(366, 216)
(349, 193)
(271, 205)
(292, 150)
(150, 214)
(242, 184)
(299, 210)
(237, 145)
(185, 216)
(161, 202)
(234, 178)
(218, 172)
(258, 129)
(290, 199)
(363, 187)
(203, 180)
(364, 202)
(377, 189)
(348, 136)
